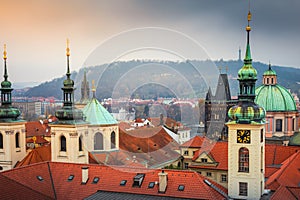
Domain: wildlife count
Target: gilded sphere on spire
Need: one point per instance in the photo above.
(248, 28)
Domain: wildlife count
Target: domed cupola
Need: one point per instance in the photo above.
(247, 111)
(272, 96)
(68, 114)
(7, 111)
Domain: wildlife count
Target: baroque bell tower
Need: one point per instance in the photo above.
(246, 136)
(68, 135)
(12, 129)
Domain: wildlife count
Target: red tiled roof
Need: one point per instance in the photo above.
(152, 147)
(55, 183)
(276, 154)
(27, 176)
(39, 154)
(10, 189)
(287, 175)
(42, 154)
(195, 142)
(218, 151)
(285, 193)
(36, 128)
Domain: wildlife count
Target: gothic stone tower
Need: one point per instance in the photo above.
(12, 130)
(246, 143)
(69, 134)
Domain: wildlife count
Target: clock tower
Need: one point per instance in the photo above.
(246, 144)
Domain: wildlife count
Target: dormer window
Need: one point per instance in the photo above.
(138, 180)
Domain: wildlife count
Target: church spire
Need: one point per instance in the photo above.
(7, 112)
(68, 62)
(248, 59)
(69, 114)
(247, 111)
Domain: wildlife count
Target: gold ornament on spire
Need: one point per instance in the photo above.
(68, 49)
(248, 28)
(4, 53)
(93, 86)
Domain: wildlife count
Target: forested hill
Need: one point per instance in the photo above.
(152, 79)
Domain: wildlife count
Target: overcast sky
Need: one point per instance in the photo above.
(35, 31)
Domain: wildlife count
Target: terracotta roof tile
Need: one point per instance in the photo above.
(195, 142)
(110, 178)
(36, 128)
(27, 176)
(39, 154)
(10, 189)
(284, 193)
(39, 140)
(288, 174)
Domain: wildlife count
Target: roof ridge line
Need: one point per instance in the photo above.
(51, 178)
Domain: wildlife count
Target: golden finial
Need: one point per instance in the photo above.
(93, 86)
(4, 53)
(68, 49)
(249, 16)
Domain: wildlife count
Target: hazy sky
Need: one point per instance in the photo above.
(35, 31)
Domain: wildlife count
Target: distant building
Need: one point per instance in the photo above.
(216, 107)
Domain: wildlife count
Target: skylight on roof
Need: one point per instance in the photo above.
(71, 177)
(123, 182)
(180, 187)
(39, 178)
(151, 185)
(96, 180)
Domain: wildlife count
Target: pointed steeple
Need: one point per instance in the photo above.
(85, 90)
(247, 75)
(69, 114)
(7, 111)
(247, 111)
(5, 84)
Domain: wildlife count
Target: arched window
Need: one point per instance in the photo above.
(243, 160)
(63, 143)
(98, 141)
(113, 140)
(17, 139)
(1, 141)
(80, 143)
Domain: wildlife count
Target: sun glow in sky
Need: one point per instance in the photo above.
(35, 31)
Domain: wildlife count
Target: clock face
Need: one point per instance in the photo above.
(243, 136)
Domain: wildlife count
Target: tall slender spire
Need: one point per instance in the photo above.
(68, 55)
(5, 68)
(7, 111)
(247, 111)
(68, 114)
(248, 59)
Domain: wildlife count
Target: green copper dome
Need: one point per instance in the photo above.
(96, 114)
(247, 113)
(247, 71)
(270, 72)
(275, 98)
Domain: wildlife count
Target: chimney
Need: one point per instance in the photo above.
(85, 174)
(163, 181)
